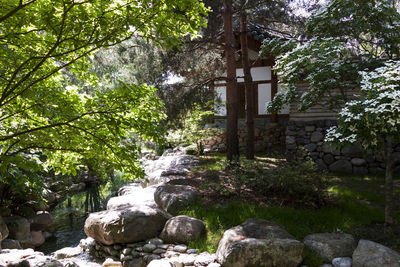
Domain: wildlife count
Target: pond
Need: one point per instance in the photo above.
(71, 215)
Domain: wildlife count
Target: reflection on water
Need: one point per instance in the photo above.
(71, 215)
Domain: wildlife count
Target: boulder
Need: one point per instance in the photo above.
(353, 151)
(67, 252)
(3, 229)
(174, 198)
(316, 137)
(19, 229)
(26, 257)
(358, 162)
(342, 165)
(10, 244)
(331, 245)
(183, 229)
(258, 242)
(161, 263)
(37, 238)
(342, 262)
(371, 254)
(43, 221)
(126, 224)
(133, 194)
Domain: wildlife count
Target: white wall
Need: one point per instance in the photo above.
(220, 110)
(257, 73)
(264, 96)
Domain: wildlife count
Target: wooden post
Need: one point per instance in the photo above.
(248, 84)
(232, 142)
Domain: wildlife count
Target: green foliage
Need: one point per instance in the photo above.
(55, 115)
(343, 38)
(296, 183)
(193, 130)
(376, 116)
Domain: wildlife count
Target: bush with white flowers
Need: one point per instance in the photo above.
(374, 120)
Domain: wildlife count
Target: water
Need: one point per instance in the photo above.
(70, 216)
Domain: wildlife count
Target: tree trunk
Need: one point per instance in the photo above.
(232, 142)
(248, 84)
(389, 185)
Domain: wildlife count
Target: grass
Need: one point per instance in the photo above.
(355, 203)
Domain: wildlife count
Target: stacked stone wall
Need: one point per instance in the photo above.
(264, 138)
(308, 136)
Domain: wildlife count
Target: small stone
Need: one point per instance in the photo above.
(151, 257)
(214, 264)
(126, 258)
(192, 251)
(135, 254)
(358, 162)
(133, 245)
(203, 259)
(117, 247)
(311, 147)
(180, 248)
(159, 251)
(187, 259)
(127, 251)
(155, 241)
(316, 137)
(143, 254)
(310, 128)
(163, 246)
(109, 262)
(342, 262)
(140, 249)
(149, 247)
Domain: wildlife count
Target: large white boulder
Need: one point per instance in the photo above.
(126, 224)
(371, 254)
(258, 242)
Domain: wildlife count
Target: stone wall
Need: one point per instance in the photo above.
(308, 136)
(266, 135)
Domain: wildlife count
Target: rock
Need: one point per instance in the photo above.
(192, 251)
(341, 166)
(316, 137)
(214, 264)
(37, 238)
(329, 149)
(88, 245)
(10, 244)
(352, 151)
(290, 140)
(180, 248)
(111, 263)
(258, 242)
(161, 263)
(371, 254)
(331, 245)
(342, 262)
(26, 257)
(174, 198)
(25, 211)
(126, 224)
(3, 229)
(358, 162)
(139, 262)
(204, 259)
(183, 229)
(310, 128)
(67, 252)
(43, 221)
(310, 147)
(19, 229)
(155, 241)
(133, 194)
(149, 247)
(329, 159)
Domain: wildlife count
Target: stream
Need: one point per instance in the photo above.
(71, 214)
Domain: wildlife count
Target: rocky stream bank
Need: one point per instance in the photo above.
(140, 227)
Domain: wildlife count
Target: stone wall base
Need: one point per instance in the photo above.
(304, 137)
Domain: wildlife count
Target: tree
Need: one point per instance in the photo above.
(248, 83)
(374, 120)
(232, 142)
(343, 38)
(350, 44)
(47, 123)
